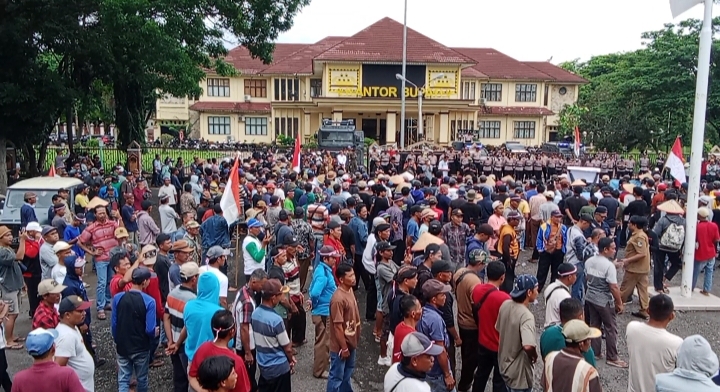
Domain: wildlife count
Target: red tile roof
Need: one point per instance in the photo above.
(301, 61)
(231, 107)
(497, 65)
(558, 74)
(516, 111)
(241, 59)
(471, 72)
(382, 42)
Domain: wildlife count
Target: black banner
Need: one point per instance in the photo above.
(378, 81)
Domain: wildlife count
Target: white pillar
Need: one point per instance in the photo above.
(698, 136)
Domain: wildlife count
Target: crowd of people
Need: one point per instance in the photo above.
(433, 245)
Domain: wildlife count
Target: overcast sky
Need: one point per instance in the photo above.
(530, 30)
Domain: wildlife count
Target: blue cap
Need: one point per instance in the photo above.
(40, 341)
(254, 223)
(522, 284)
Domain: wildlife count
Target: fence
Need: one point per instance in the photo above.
(114, 156)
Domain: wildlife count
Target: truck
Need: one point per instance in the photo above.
(339, 135)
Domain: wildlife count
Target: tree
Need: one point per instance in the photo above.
(570, 117)
(644, 99)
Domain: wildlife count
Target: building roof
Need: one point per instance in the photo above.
(301, 61)
(516, 111)
(471, 72)
(558, 74)
(231, 107)
(241, 59)
(497, 65)
(382, 41)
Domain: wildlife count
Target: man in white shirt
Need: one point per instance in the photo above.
(216, 257)
(557, 291)
(652, 349)
(342, 159)
(168, 189)
(417, 352)
(59, 271)
(69, 347)
(48, 259)
(168, 216)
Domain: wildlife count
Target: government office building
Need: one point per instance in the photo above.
(477, 90)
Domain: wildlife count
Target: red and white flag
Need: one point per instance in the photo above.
(576, 146)
(51, 172)
(675, 163)
(230, 200)
(296, 156)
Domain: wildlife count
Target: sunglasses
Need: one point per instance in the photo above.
(150, 254)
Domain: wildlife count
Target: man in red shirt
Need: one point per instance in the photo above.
(223, 324)
(411, 311)
(46, 316)
(705, 251)
(487, 299)
(120, 264)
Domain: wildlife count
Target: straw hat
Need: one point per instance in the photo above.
(628, 187)
(578, 182)
(491, 177)
(671, 207)
(97, 202)
(508, 179)
(401, 186)
(646, 175)
(425, 240)
(321, 178)
(331, 175)
(398, 179)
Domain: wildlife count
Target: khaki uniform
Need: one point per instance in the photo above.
(636, 274)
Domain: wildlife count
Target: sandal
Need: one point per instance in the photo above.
(19, 339)
(617, 363)
(101, 315)
(705, 293)
(16, 346)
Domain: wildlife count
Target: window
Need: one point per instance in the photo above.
(524, 130)
(218, 87)
(287, 126)
(525, 92)
(256, 88)
(492, 92)
(316, 88)
(286, 89)
(218, 125)
(489, 129)
(468, 90)
(256, 126)
(458, 129)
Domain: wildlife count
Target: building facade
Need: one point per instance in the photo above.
(477, 90)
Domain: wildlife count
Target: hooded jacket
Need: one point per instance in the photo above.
(486, 209)
(199, 312)
(74, 285)
(696, 363)
(147, 228)
(196, 189)
(472, 244)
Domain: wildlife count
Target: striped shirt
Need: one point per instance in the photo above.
(292, 276)
(243, 309)
(175, 306)
(565, 372)
(270, 338)
(318, 216)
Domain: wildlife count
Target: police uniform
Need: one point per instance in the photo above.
(636, 274)
(528, 169)
(551, 164)
(498, 167)
(537, 168)
(644, 165)
(487, 166)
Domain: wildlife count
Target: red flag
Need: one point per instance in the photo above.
(676, 163)
(576, 146)
(230, 200)
(296, 156)
(51, 172)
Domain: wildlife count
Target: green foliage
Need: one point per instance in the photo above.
(569, 118)
(644, 99)
(95, 143)
(285, 140)
(369, 141)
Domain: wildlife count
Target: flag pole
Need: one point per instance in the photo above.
(698, 136)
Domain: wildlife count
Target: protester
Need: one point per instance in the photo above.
(41, 347)
(566, 370)
(345, 334)
(696, 364)
(418, 352)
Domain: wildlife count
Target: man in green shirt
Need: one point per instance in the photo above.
(554, 340)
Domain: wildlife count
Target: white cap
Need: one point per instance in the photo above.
(33, 226)
(61, 246)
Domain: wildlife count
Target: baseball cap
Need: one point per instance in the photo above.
(290, 241)
(141, 274)
(72, 302)
(189, 269)
(415, 343)
(217, 251)
(181, 246)
(121, 232)
(522, 284)
(33, 226)
(332, 225)
(40, 341)
(457, 212)
(441, 266)
(576, 331)
(254, 223)
(496, 204)
(478, 256)
(273, 287)
(566, 269)
(556, 213)
(29, 195)
(50, 286)
(61, 246)
(587, 218)
(431, 249)
(434, 287)
(77, 262)
(283, 215)
(435, 225)
(149, 253)
(383, 246)
(47, 230)
(549, 194)
(192, 225)
(703, 212)
(382, 227)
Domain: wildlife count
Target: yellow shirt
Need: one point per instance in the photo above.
(82, 200)
(523, 206)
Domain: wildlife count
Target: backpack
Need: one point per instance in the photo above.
(673, 237)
